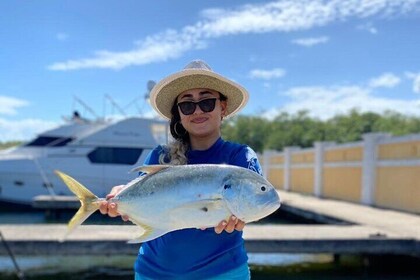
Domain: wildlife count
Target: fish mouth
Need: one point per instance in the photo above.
(265, 210)
(271, 207)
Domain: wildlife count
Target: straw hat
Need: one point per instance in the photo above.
(197, 74)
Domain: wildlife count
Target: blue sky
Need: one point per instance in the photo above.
(326, 57)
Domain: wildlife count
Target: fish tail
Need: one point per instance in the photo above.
(89, 202)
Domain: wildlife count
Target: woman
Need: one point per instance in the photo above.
(196, 100)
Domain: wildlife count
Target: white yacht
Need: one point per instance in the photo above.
(99, 154)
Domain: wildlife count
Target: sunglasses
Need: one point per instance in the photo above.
(206, 105)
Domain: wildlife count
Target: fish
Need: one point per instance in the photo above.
(173, 197)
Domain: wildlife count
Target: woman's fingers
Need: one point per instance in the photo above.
(125, 218)
(114, 191)
(229, 226)
(110, 208)
(103, 207)
(220, 227)
(240, 225)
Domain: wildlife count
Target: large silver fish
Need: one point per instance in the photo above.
(169, 198)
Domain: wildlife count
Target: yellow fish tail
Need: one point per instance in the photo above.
(89, 202)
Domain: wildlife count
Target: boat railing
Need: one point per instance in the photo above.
(45, 180)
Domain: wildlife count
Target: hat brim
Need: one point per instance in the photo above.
(164, 93)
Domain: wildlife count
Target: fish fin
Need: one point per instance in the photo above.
(148, 233)
(89, 201)
(150, 169)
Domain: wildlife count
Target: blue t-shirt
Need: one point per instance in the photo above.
(196, 253)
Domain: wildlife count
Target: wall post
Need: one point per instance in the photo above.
(319, 166)
(267, 154)
(288, 166)
(370, 157)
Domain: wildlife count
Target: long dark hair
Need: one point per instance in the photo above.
(178, 131)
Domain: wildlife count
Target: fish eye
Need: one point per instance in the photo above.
(263, 188)
(227, 187)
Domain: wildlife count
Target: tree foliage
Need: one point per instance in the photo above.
(5, 145)
(301, 130)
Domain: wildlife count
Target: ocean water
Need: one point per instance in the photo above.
(263, 267)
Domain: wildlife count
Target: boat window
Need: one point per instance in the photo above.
(50, 141)
(112, 155)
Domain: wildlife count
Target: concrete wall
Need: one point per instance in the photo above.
(342, 172)
(381, 171)
(342, 183)
(398, 174)
(302, 171)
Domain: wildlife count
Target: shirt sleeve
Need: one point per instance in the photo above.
(246, 157)
(153, 156)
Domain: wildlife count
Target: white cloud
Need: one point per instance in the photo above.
(416, 84)
(267, 85)
(161, 47)
(276, 16)
(325, 102)
(387, 80)
(19, 129)
(309, 42)
(416, 81)
(368, 27)
(9, 105)
(23, 130)
(267, 74)
(62, 36)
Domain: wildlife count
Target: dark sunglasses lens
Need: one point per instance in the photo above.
(187, 108)
(207, 105)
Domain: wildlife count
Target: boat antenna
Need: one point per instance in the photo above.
(115, 105)
(150, 85)
(85, 106)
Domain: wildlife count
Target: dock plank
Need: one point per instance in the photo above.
(107, 239)
(365, 230)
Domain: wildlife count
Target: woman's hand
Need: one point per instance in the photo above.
(110, 208)
(229, 226)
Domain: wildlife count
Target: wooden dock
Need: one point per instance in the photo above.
(355, 229)
(50, 202)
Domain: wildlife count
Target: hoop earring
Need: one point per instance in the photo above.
(176, 131)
